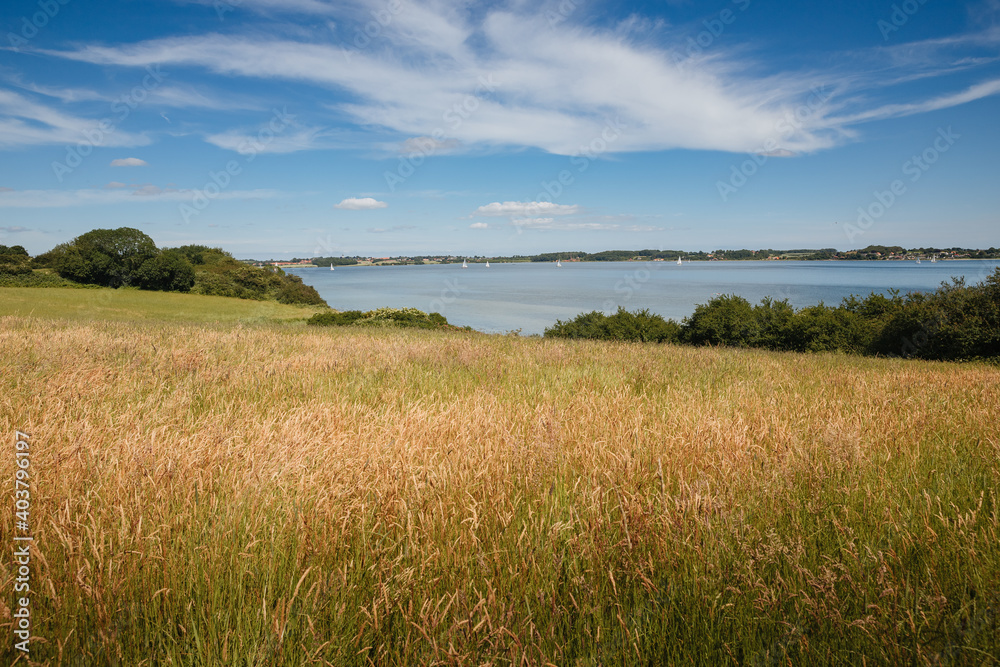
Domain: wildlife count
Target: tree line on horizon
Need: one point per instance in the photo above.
(955, 322)
(871, 252)
(128, 258)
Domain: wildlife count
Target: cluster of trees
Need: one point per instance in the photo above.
(127, 257)
(219, 274)
(14, 261)
(954, 322)
(123, 257)
(331, 261)
(396, 317)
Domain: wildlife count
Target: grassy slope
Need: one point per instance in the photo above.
(125, 305)
(204, 494)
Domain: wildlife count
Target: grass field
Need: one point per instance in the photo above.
(232, 494)
(107, 304)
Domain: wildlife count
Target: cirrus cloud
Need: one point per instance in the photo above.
(129, 162)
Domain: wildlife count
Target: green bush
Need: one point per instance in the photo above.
(170, 271)
(640, 326)
(382, 317)
(725, 320)
(14, 261)
(292, 290)
(38, 279)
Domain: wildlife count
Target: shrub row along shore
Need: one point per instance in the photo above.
(953, 323)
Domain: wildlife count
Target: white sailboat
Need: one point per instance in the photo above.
(487, 264)
(918, 260)
(934, 260)
(679, 262)
(331, 267)
(464, 264)
(558, 263)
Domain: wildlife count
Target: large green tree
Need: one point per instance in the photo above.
(122, 257)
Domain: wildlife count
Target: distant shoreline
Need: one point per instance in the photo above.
(870, 253)
(326, 267)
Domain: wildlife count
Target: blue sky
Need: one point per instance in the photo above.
(280, 128)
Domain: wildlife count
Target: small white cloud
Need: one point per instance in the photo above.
(522, 209)
(114, 185)
(129, 162)
(360, 204)
(479, 225)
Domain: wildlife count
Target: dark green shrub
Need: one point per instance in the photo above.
(773, 318)
(955, 322)
(14, 261)
(725, 320)
(294, 291)
(388, 317)
(640, 326)
(170, 271)
(823, 329)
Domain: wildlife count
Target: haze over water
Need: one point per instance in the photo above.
(532, 296)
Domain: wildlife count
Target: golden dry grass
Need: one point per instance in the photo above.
(258, 495)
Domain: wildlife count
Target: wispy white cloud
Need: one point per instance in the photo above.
(524, 209)
(25, 122)
(976, 92)
(507, 77)
(92, 197)
(190, 97)
(563, 89)
(360, 204)
(225, 8)
(129, 162)
(573, 224)
(286, 141)
(479, 225)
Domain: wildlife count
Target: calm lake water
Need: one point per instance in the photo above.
(532, 296)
